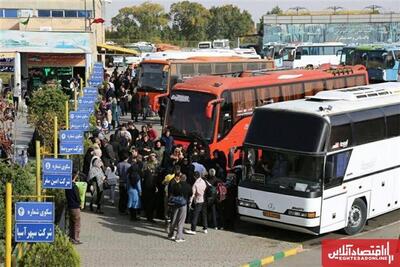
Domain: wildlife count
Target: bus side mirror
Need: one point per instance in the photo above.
(339, 53)
(210, 105)
(209, 109)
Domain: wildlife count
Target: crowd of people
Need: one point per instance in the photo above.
(155, 178)
(158, 178)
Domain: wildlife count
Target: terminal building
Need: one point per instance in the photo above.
(48, 39)
(348, 29)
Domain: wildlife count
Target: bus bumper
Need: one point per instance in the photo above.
(306, 230)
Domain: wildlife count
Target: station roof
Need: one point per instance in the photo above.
(117, 50)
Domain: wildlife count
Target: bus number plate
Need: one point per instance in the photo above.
(272, 214)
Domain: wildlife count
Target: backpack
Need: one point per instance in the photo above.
(210, 195)
(221, 192)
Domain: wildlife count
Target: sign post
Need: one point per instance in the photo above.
(38, 176)
(55, 137)
(8, 223)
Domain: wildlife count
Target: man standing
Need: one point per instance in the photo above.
(16, 96)
(135, 105)
(199, 188)
(145, 103)
(74, 203)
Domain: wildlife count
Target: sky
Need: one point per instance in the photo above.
(259, 7)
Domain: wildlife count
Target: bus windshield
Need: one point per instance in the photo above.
(280, 170)
(153, 77)
(187, 117)
(288, 53)
(371, 59)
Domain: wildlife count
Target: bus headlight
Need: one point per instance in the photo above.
(247, 203)
(303, 214)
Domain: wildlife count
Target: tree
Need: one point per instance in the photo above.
(47, 103)
(189, 20)
(229, 22)
(276, 11)
(141, 22)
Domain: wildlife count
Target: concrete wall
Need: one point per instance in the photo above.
(55, 24)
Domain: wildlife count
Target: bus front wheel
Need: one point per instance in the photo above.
(357, 217)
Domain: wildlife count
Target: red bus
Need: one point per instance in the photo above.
(157, 76)
(218, 110)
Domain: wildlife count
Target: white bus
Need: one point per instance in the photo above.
(324, 163)
(311, 54)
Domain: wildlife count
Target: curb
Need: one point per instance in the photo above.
(277, 256)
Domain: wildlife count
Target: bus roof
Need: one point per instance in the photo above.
(217, 84)
(204, 59)
(315, 44)
(371, 47)
(170, 55)
(328, 103)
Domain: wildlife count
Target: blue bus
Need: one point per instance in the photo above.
(381, 61)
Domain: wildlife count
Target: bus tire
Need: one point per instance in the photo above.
(357, 217)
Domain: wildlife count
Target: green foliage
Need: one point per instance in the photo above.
(189, 20)
(60, 253)
(23, 182)
(275, 11)
(229, 22)
(145, 21)
(59, 201)
(47, 103)
(2, 250)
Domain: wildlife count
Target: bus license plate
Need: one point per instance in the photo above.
(272, 214)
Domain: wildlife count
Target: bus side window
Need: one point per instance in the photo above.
(335, 168)
(361, 80)
(267, 95)
(236, 67)
(339, 83)
(311, 88)
(368, 126)
(243, 103)
(392, 120)
(204, 68)
(225, 116)
(292, 91)
(351, 81)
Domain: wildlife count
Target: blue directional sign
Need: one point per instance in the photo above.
(82, 125)
(90, 91)
(71, 149)
(57, 173)
(78, 115)
(86, 101)
(71, 136)
(71, 142)
(34, 212)
(34, 232)
(87, 109)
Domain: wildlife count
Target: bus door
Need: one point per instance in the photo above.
(334, 203)
(288, 56)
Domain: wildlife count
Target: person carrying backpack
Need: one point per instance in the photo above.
(213, 196)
